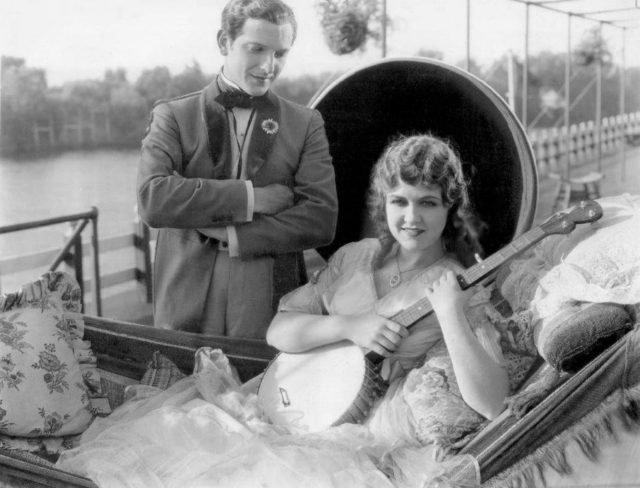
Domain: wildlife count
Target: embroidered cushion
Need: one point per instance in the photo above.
(441, 416)
(42, 390)
(584, 330)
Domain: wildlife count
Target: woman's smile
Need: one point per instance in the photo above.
(416, 216)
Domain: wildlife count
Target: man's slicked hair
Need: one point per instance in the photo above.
(236, 13)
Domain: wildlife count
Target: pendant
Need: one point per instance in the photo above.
(394, 280)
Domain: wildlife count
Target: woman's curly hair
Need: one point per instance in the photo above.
(426, 160)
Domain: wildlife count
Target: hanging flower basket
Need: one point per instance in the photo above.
(345, 23)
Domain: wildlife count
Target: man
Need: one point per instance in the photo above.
(239, 181)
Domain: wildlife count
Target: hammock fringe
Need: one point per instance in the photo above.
(619, 412)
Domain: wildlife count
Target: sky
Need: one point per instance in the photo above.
(81, 39)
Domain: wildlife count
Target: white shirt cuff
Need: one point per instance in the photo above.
(232, 239)
(250, 200)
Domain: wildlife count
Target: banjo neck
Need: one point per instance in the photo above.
(471, 276)
(560, 223)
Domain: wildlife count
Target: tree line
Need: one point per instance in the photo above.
(32, 111)
(115, 110)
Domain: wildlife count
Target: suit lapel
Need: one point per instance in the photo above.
(217, 132)
(266, 128)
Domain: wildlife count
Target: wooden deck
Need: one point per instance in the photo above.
(621, 174)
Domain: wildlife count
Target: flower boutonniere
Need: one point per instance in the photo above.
(270, 126)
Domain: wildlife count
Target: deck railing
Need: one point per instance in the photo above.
(550, 145)
(74, 252)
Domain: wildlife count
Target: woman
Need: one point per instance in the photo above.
(207, 430)
(420, 205)
(419, 202)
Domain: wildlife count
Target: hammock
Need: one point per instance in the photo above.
(509, 451)
(601, 388)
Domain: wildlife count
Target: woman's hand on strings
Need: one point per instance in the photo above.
(376, 333)
(445, 294)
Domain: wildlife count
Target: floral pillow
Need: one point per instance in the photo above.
(42, 390)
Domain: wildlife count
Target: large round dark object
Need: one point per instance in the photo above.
(365, 108)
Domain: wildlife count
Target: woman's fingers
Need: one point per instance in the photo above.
(378, 334)
(381, 351)
(386, 343)
(391, 335)
(395, 334)
(446, 281)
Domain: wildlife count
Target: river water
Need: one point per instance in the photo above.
(67, 183)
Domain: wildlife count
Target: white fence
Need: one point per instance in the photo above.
(550, 145)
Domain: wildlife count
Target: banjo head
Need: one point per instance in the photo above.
(313, 390)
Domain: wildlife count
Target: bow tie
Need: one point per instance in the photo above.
(236, 98)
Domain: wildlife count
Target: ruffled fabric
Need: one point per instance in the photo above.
(595, 263)
(207, 431)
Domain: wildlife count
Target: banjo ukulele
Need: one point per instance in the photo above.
(339, 382)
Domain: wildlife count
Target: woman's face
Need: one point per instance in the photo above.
(416, 216)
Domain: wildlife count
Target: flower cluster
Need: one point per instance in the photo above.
(346, 23)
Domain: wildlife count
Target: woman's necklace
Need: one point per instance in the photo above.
(396, 278)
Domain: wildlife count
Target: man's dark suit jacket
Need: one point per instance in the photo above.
(183, 184)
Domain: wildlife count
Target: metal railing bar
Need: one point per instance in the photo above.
(91, 214)
(75, 240)
(70, 242)
(546, 4)
(612, 10)
(96, 266)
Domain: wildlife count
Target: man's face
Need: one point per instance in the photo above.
(256, 57)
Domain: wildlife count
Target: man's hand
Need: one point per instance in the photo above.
(272, 199)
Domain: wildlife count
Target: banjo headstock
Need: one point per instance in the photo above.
(564, 222)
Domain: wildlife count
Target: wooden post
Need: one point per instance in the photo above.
(525, 70)
(383, 28)
(623, 170)
(567, 101)
(468, 38)
(142, 249)
(72, 259)
(511, 81)
(97, 287)
(598, 117)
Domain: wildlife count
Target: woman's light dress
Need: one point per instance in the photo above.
(208, 429)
